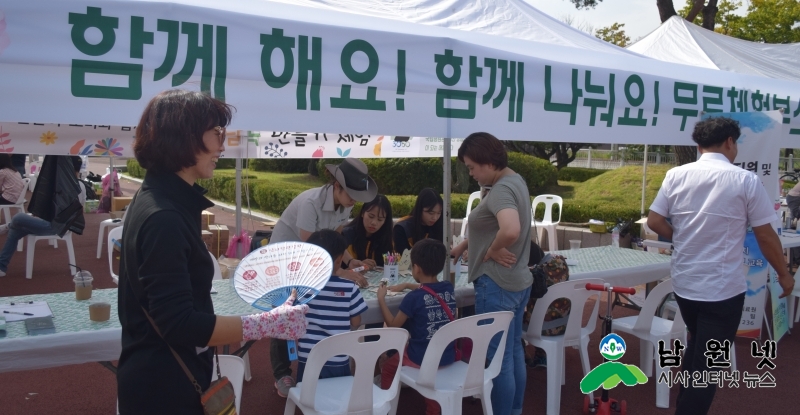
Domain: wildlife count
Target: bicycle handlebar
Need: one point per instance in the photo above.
(601, 287)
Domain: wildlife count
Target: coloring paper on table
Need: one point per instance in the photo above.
(405, 263)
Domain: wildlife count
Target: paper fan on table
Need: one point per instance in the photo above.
(265, 277)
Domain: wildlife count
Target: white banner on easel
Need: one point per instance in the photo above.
(759, 147)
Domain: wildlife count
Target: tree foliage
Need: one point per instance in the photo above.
(614, 34)
(769, 21)
(585, 4)
(725, 18)
(563, 152)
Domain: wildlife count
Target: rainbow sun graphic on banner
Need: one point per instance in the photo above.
(108, 147)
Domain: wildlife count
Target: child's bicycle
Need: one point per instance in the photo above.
(604, 405)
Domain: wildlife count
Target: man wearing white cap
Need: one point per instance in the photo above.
(326, 207)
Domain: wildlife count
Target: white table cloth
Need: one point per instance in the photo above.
(80, 340)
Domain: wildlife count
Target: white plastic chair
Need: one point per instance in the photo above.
(114, 234)
(110, 224)
(217, 269)
(449, 385)
(472, 198)
(232, 367)
(32, 239)
(575, 335)
(348, 394)
(19, 204)
(547, 221)
(650, 329)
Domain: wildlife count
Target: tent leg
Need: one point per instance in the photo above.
(446, 208)
(239, 203)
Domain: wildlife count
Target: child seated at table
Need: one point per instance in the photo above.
(336, 309)
(420, 313)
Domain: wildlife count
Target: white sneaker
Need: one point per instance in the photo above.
(3, 229)
(2, 273)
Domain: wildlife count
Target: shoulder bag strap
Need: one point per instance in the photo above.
(441, 301)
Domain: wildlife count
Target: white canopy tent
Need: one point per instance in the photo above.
(680, 41)
(514, 19)
(292, 68)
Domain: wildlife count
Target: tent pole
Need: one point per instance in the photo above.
(111, 174)
(239, 204)
(644, 177)
(446, 208)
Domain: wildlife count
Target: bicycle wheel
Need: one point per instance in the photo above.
(788, 177)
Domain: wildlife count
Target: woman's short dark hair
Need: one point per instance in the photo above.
(484, 148)
(429, 254)
(427, 200)
(5, 162)
(712, 132)
(170, 133)
(329, 240)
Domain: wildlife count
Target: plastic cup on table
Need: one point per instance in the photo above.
(574, 244)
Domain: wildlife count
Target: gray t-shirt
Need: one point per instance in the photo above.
(311, 211)
(508, 192)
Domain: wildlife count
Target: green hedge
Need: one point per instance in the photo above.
(578, 174)
(265, 196)
(407, 176)
(134, 169)
(280, 165)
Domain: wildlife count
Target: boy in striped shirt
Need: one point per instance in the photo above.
(336, 309)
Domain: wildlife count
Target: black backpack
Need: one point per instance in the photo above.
(90, 193)
(260, 239)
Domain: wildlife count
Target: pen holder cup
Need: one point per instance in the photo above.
(99, 311)
(83, 285)
(391, 273)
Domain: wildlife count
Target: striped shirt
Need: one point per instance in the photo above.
(11, 185)
(329, 314)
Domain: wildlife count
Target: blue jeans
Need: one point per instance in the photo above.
(22, 225)
(509, 386)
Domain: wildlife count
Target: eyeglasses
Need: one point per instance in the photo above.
(220, 131)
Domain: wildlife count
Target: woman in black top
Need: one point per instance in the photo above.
(165, 268)
(425, 221)
(369, 235)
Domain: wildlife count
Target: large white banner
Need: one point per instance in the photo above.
(105, 140)
(290, 68)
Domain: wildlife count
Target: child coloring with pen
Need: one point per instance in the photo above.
(420, 313)
(336, 309)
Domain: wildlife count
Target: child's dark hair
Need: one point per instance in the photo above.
(429, 254)
(329, 240)
(5, 162)
(427, 200)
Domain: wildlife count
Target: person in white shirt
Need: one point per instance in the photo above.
(711, 202)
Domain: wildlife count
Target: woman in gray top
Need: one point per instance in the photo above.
(499, 248)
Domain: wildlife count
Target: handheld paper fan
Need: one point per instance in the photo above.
(265, 277)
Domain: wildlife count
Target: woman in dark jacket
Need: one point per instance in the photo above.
(425, 221)
(369, 235)
(165, 268)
